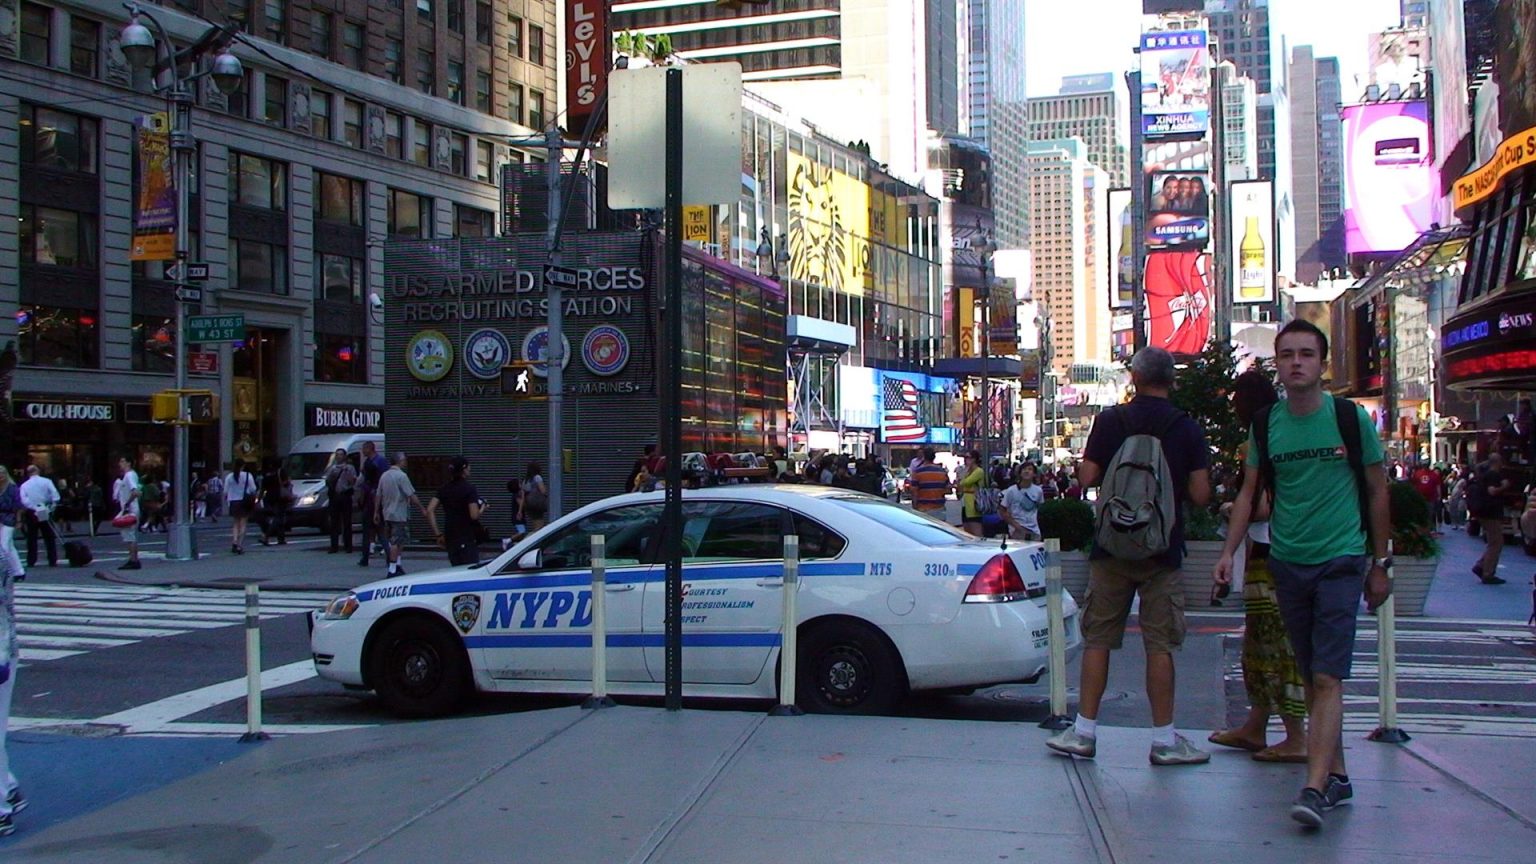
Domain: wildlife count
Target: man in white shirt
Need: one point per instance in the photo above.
(1021, 505)
(126, 493)
(39, 496)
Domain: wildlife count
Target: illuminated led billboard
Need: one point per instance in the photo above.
(1389, 176)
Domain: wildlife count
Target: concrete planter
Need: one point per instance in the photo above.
(1411, 579)
(1074, 574)
(1200, 558)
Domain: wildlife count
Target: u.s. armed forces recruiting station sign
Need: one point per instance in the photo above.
(457, 311)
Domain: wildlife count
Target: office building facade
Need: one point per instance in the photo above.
(1062, 181)
(1092, 109)
(1317, 158)
(998, 116)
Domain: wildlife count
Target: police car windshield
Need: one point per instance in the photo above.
(908, 523)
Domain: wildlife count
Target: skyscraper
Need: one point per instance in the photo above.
(1062, 204)
(998, 107)
(1317, 158)
(1239, 124)
(770, 44)
(1092, 109)
(1244, 36)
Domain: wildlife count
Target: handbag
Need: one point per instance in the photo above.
(124, 520)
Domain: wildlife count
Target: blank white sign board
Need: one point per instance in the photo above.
(637, 136)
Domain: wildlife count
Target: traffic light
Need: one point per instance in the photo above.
(517, 381)
(165, 407)
(202, 407)
(184, 406)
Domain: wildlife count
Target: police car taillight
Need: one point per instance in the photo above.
(998, 581)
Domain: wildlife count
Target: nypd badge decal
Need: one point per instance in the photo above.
(466, 611)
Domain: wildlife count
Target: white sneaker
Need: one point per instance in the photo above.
(1180, 752)
(1069, 742)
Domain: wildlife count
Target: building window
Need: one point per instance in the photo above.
(84, 46)
(421, 143)
(340, 199)
(483, 23)
(339, 278)
(353, 36)
(485, 161)
(321, 27)
(424, 12)
(456, 83)
(320, 114)
(409, 215)
(59, 337)
(259, 267)
(154, 344)
(392, 61)
(473, 222)
(456, 16)
(394, 135)
(257, 182)
(274, 27)
(426, 72)
(60, 238)
(458, 154)
(238, 103)
(36, 34)
(56, 139)
(352, 122)
(515, 103)
(536, 109)
(276, 110)
(483, 92)
(514, 35)
(340, 358)
(536, 44)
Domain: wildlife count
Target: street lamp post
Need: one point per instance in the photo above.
(141, 48)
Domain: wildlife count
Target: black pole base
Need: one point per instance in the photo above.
(1385, 735)
(592, 703)
(786, 711)
(1056, 722)
(254, 737)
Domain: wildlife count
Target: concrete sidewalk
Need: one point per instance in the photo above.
(641, 784)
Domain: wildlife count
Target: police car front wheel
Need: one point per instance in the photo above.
(847, 667)
(418, 668)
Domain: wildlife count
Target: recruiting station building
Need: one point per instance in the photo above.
(458, 311)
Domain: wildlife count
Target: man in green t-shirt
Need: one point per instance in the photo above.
(1321, 555)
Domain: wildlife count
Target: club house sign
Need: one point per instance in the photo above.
(103, 412)
(501, 294)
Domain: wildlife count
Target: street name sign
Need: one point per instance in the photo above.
(215, 328)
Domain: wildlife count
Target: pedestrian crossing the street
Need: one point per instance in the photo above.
(58, 621)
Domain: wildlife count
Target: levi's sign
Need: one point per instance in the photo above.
(586, 59)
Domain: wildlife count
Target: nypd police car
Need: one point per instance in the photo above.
(889, 601)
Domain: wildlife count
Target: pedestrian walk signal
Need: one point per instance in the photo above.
(518, 381)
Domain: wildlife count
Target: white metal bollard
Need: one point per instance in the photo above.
(253, 665)
(599, 697)
(788, 643)
(1056, 620)
(1386, 667)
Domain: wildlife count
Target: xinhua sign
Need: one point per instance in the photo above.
(215, 328)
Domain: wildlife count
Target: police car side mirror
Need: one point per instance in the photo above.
(531, 560)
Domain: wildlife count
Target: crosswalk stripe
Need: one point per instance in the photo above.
(59, 621)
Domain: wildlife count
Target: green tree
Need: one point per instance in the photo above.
(1203, 390)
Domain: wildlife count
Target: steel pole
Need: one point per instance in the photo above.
(1138, 216)
(180, 544)
(672, 402)
(986, 350)
(555, 353)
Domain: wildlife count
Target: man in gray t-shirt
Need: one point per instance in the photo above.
(392, 508)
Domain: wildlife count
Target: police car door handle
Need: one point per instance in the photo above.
(624, 586)
(772, 582)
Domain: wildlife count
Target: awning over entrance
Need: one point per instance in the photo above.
(1423, 261)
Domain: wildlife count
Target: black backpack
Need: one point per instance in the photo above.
(1348, 419)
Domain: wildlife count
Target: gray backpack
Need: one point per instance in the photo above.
(1137, 507)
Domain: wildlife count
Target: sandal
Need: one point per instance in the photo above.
(1230, 738)
(1270, 754)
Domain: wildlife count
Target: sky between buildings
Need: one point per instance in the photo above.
(1083, 36)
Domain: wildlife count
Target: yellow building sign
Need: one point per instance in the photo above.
(696, 223)
(829, 232)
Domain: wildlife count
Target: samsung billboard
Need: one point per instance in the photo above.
(1389, 176)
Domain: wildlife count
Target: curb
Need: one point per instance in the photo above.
(226, 584)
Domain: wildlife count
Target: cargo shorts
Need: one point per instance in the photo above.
(1113, 584)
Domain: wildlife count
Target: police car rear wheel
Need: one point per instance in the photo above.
(418, 668)
(848, 668)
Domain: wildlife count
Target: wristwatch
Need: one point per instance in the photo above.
(1383, 563)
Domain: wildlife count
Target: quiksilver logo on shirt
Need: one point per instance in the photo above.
(1318, 453)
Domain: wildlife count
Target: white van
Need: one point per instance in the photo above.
(306, 470)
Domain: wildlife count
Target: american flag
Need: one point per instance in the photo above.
(900, 418)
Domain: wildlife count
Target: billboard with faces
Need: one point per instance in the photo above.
(1178, 210)
(1175, 83)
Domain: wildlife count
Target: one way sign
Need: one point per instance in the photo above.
(196, 271)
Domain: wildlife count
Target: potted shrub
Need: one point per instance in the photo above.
(1070, 520)
(1415, 551)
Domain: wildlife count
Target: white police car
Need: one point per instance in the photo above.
(889, 601)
